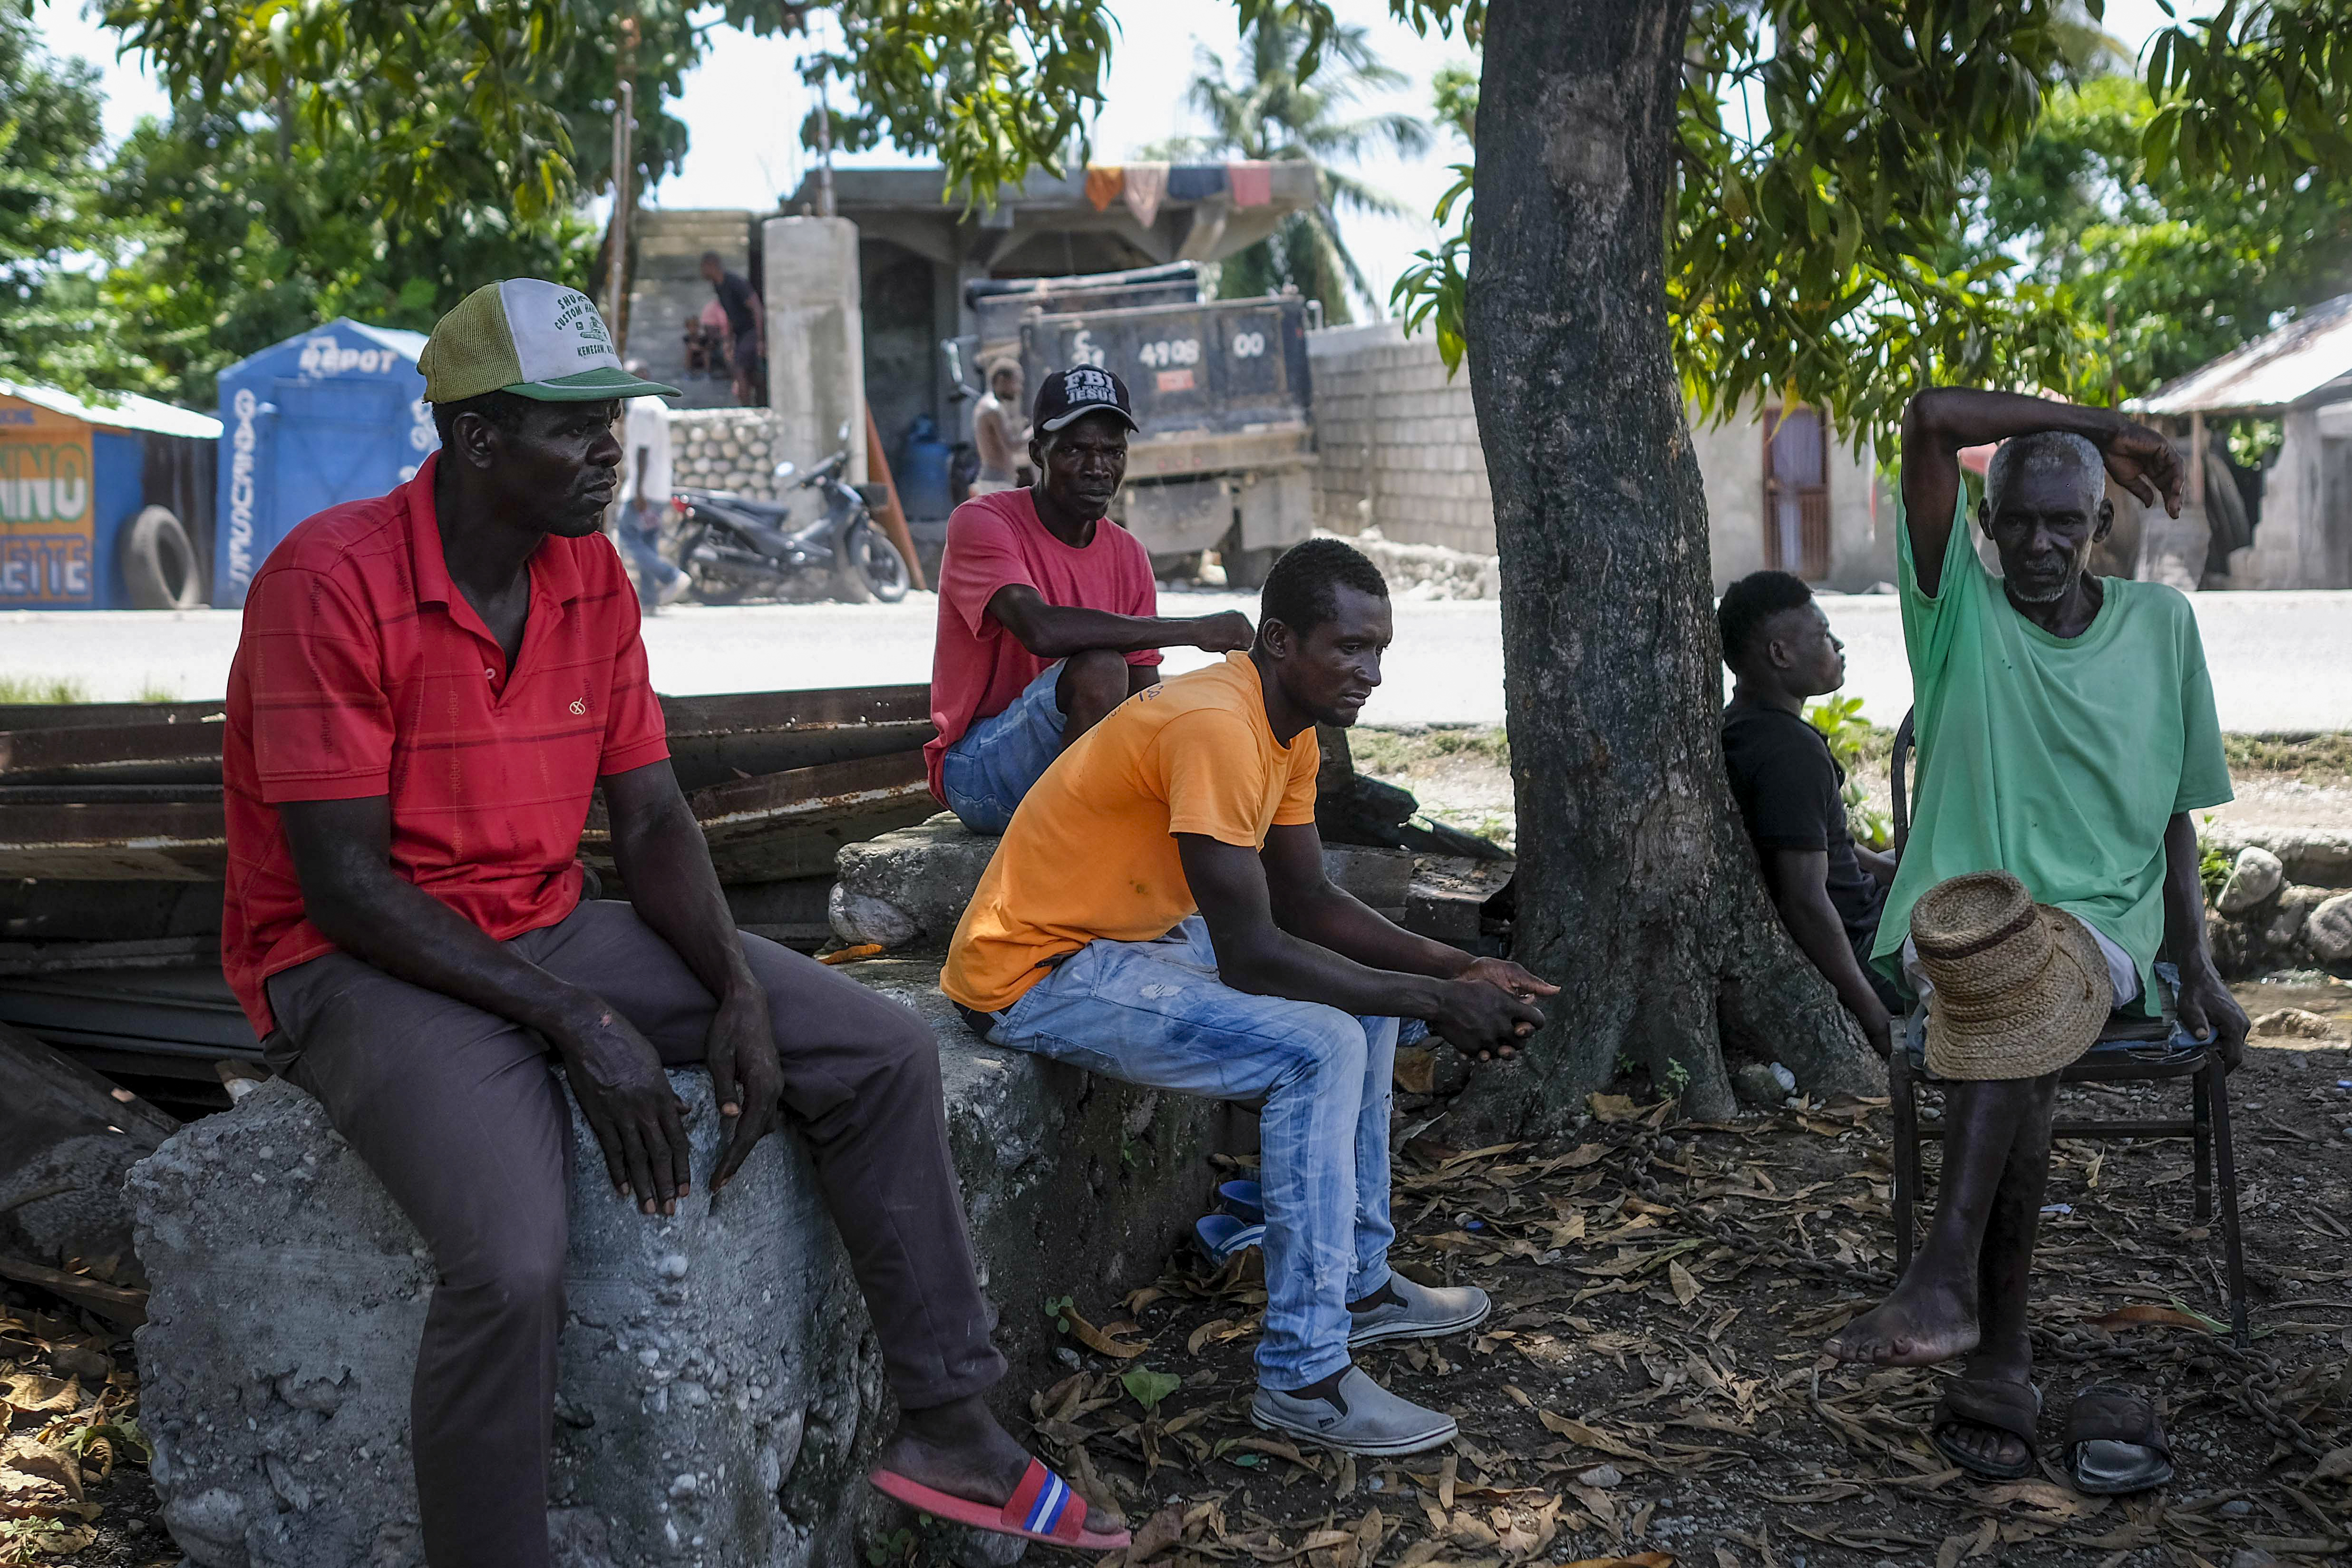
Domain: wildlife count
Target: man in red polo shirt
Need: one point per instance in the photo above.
(428, 688)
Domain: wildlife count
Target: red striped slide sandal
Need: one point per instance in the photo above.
(1042, 1508)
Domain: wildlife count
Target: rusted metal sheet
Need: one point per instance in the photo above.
(791, 824)
(17, 716)
(144, 753)
(712, 738)
(154, 841)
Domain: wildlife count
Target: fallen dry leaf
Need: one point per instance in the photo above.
(1094, 1339)
(1686, 1288)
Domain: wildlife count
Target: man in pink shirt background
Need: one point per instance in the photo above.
(1048, 613)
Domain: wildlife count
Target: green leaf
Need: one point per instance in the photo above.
(1147, 1387)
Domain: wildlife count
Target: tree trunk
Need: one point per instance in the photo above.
(1638, 892)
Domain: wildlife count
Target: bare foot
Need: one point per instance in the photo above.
(961, 1449)
(2006, 1364)
(1916, 1326)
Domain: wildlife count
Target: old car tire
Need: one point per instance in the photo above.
(158, 562)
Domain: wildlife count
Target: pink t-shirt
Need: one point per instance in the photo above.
(978, 668)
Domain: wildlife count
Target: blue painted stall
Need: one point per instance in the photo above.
(334, 414)
(92, 487)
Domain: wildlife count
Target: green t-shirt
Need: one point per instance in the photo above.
(2059, 759)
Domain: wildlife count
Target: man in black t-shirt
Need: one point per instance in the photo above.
(1829, 889)
(747, 348)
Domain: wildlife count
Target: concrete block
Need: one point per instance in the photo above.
(816, 334)
(720, 1391)
(908, 887)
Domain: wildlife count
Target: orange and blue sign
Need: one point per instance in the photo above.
(48, 519)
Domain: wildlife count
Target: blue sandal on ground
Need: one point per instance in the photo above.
(1246, 1201)
(1223, 1237)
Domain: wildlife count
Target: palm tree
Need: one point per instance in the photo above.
(1268, 108)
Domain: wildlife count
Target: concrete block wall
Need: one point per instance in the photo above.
(1398, 441)
(1398, 448)
(725, 449)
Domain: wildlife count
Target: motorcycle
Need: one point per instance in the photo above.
(735, 547)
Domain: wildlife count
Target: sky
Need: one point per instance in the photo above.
(743, 105)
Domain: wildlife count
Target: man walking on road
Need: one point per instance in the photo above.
(429, 688)
(644, 489)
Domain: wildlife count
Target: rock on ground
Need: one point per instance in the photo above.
(720, 1388)
(66, 1136)
(2255, 877)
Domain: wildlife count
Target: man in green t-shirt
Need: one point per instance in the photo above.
(2065, 731)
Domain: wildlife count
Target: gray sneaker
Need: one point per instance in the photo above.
(1418, 1312)
(1361, 1417)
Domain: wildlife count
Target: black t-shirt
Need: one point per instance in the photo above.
(735, 299)
(1788, 786)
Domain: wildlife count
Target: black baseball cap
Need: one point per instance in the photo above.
(1072, 395)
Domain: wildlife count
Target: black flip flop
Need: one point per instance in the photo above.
(2114, 1444)
(2000, 1406)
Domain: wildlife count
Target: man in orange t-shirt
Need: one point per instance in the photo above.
(1158, 913)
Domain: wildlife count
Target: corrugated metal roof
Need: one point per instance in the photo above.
(2274, 372)
(128, 412)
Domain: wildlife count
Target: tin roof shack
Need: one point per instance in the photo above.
(2301, 521)
(920, 246)
(333, 415)
(103, 506)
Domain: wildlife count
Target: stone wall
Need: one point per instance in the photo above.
(719, 1391)
(1398, 451)
(725, 449)
(1398, 442)
(666, 289)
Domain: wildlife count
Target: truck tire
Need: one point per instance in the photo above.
(159, 564)
(1245, 570)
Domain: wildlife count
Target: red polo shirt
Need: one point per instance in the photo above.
(363, 671)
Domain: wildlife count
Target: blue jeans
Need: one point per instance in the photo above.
(992, 764)
(1154, 1013)
(640, 537)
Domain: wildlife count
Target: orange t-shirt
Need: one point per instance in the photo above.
(1092, 852)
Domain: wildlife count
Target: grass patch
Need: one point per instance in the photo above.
(2314, 759)
(1394, 751)
(42, 688)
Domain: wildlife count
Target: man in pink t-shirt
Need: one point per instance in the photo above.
(1048, 614)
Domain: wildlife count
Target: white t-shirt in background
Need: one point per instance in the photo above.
(644, 426)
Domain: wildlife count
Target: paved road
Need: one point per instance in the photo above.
(2281, 662)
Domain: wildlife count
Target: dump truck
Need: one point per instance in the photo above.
(1225, 459)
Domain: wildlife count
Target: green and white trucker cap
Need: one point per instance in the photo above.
(532, 338)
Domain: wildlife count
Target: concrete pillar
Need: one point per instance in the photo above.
(816, 340)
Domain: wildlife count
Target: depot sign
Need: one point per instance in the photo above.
(48, 517)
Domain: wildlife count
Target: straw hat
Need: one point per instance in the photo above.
(2022, 989)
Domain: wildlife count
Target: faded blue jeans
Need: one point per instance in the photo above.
(992, 765)
(1154, 1013)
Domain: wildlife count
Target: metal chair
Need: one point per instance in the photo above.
(2131, 1048)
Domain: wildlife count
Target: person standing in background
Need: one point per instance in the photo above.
(746, 349)
(997, 430)
(645, 495)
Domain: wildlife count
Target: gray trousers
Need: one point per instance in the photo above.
(458, 1114)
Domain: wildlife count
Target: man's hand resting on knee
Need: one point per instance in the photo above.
(745, 1076)
(623, 1091)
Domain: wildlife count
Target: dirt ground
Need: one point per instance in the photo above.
(1648, 1390)
(1462, 775)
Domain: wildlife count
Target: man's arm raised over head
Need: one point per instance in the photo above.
(343, 858)
(1312, 943)
(1939, 422)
